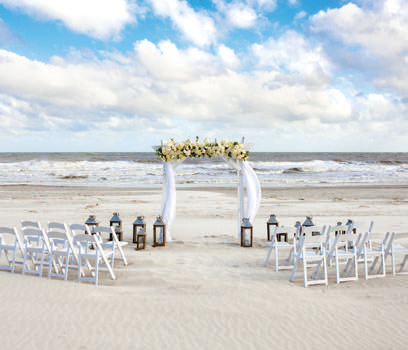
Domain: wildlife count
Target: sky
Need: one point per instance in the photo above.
(122, 75)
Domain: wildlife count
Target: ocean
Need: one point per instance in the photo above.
(145, 169)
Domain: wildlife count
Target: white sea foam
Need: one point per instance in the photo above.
(145, 169)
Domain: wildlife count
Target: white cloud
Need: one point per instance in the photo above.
(228, 57)
(265, 5)
(100, 19)
(383, 32)
(375, 38)
(167, 91)
(300, 15)
(197, 27)
(166, 62)
(238, 14)
(293, 55)
(165, 82)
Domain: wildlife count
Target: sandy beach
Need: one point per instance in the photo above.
(203, 291)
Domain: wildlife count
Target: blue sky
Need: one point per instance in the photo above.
(120, 75)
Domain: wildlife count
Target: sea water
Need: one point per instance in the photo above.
(145, 169)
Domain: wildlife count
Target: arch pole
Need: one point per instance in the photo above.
(241, 201)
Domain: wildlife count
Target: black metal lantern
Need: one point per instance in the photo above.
(308, 222)
(116, 223)
(339, 232)
(351, 223)
(271, 222)
(141, 240)
(298, 226)
(246, 233)
(137, 225)
(159, 233)
(91, 223)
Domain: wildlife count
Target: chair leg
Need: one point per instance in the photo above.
(269, 254)
(294, 269)
(276, 259)
(24, 262)
(42, 263)
(337, 270)
(97, 268)
(79, 267)
(66, 267)
(373, 265)
(383, 262)
(403, 263)
(305, 272)
(14, 260)
(356, 267)
(365, 267)
(326, 280)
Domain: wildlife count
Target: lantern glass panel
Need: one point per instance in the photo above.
(246, 232)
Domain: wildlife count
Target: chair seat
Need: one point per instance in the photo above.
(279, 244)
(35, 250)
(343, 253)
(92, 254)
(112, 243)
(7, 247)
(371, 252)
(399, 248)
(62, 251)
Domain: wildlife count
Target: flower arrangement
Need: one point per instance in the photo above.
(172, 150)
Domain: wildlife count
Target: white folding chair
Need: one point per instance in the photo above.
(396, 250)
(371, 254)
(341, 253)
(35, 245)
(90, 250)
(78, 229)
(292, 234)
(115, 242)
(59, 254)
(10, 242)
(311, 251)
(366, 254)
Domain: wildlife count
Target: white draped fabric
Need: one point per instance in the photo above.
(251, 181)
(169, 195)
(253, 188)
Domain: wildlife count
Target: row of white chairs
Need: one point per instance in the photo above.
(60, 247)
(321, 248)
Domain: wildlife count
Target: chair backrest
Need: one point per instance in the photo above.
(31, 234)
(8, 235)
(314, 237)
(312, 231)
(78, 229)
(342, 229)
(307, 242)
(55, 226)
(34, 232)
(32, 224)
(57, 237)
(292, 232)
(105, 229)
(83, 238)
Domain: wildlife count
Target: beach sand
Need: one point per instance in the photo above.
(203, 291)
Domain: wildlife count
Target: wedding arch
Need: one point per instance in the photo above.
(234, 153)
